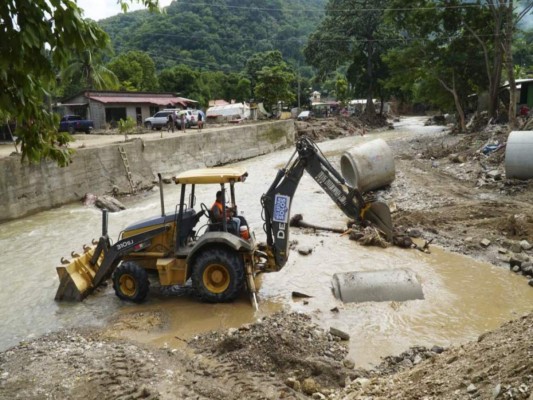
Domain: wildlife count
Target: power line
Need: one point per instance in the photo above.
(372, 9)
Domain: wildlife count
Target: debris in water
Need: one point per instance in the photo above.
(300, 295)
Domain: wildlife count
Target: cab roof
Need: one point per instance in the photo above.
(212, 175)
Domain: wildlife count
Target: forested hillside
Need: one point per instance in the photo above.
(217, 34)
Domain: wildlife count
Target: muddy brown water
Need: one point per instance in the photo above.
(463, 298)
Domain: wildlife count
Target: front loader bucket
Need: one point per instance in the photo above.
(379, 214)
(76, 278)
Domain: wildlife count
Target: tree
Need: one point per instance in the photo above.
(135, 71)
(258, 61)
(89, 72)
(274, 84)
(38, 39)
(353, 33)
(437, 52)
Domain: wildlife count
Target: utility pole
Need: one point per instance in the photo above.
(298, 77)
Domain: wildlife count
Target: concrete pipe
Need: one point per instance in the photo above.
(368, 166)
(382, 285)
(519, 155)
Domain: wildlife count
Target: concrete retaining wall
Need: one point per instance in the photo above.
(27, 189)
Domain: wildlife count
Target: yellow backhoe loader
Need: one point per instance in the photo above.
(218, 258)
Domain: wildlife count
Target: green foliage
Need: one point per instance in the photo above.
(217, 35)
(438, 55)
(135, 70)
(354, 37)
(126, 126)
(274, 84)
(38, 38)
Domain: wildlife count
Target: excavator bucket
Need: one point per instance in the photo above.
(76, 278)
(379, 214)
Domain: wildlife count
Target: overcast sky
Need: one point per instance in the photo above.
(100, 9)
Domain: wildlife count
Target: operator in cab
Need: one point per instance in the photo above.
(217, 210)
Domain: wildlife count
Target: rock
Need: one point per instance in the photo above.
(469, 239)
(89, 199)
(293, 383)
(414, 233)
(109, 203)
(309, 386)
(496, 391)
(485, 243)
(471, 388)
(457, 158)
(437, 349)
(305, 250)
(516, 268)
(318, 396)
(501, 250)
(232, 331)
(495, 174)
(514, 261)
(348, 363)
(527, 269)
(362, 382)
(516, 247)
(530, 283)
(417, 360)
(166, 181)
(338, 333)
(525, 245)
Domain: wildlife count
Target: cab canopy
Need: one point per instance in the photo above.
(212, 175)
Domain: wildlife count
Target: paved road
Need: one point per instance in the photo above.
(82, 140)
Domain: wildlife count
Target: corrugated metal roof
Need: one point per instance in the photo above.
(155, 100)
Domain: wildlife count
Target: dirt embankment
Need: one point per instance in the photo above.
(443, 190)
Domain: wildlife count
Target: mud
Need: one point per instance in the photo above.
(141, 353)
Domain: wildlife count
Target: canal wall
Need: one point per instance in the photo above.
(29, 188)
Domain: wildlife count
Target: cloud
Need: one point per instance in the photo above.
(100, 9)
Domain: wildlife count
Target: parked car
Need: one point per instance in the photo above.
(158, 120)
(75, 123)
(304, 115)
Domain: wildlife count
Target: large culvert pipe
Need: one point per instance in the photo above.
(519, 155)
(368, 166)
(382, 285)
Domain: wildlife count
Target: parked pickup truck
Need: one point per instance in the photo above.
(74, 123)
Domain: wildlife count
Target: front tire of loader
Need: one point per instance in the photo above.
(218, 275)
(131, 282)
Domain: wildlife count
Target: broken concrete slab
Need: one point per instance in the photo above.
(485, 243)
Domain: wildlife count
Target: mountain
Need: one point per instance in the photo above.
(217, 35)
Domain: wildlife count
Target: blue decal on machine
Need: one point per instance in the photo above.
(281, 208)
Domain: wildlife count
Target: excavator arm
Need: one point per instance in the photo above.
(277, 200)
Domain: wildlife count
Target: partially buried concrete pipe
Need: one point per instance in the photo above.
(382, 285)
(368, 166)
(519, 155)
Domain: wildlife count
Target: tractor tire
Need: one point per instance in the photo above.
(131, 282)
(218, 275)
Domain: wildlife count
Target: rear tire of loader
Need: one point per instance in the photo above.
(131, 282)
(218, 275)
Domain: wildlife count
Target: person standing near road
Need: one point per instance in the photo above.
(182, 121)
(200, 120)
(171, 122)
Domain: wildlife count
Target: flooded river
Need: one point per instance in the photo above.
(463, 298)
